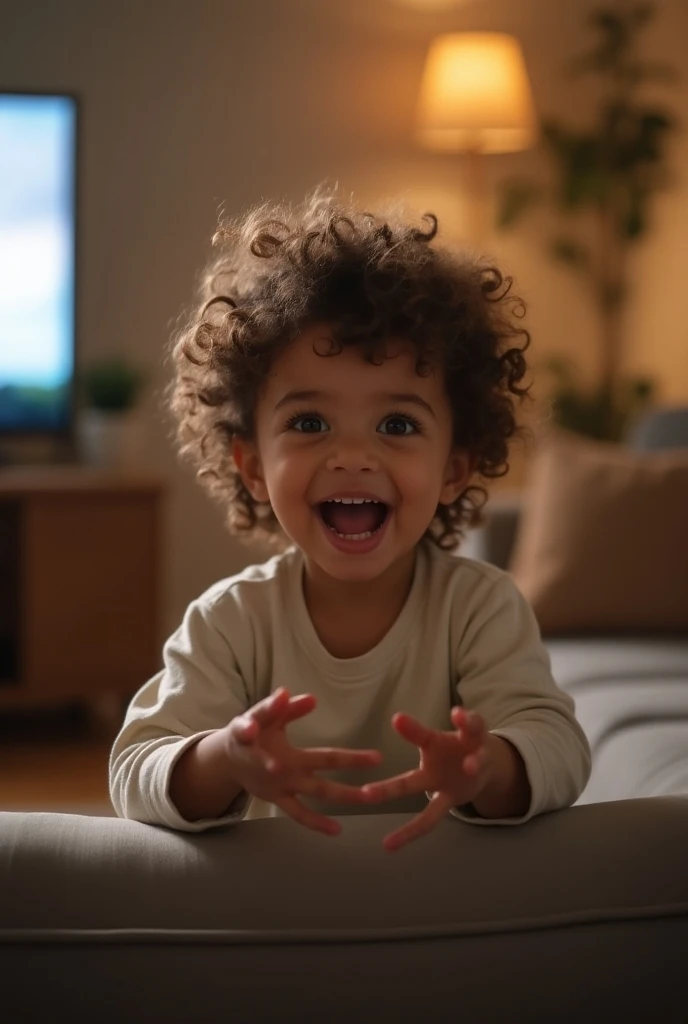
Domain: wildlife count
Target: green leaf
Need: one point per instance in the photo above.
(642, 14)
(556, 138)
(601, 413)
(568, 250)
(654, 122)
(633, 218)
(514, 199)
(111, 383)
(583, 174)
(610, 294)
(608, 21)
(614, 37)
(639, 389)
(562, 369)
(652, 70)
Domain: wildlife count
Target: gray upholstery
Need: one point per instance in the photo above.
(632, 701)
(662, 428)
(580, 914)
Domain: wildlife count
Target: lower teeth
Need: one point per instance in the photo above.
(352, 536)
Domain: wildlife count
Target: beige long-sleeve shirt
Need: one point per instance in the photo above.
(465, 635)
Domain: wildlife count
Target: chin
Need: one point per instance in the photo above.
(352, 570)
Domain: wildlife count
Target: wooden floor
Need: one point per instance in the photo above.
(55, 761)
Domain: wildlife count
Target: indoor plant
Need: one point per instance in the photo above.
(611, 171)
(108, 428)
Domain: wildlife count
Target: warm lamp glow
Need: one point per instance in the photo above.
(475, 95)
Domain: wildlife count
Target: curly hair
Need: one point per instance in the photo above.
(282, 268)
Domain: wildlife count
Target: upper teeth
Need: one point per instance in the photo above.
(354, 501)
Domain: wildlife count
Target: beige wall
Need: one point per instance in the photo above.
(190, 105)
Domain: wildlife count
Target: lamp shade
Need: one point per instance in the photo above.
(475, 95)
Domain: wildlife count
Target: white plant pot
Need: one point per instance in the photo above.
(109, 440)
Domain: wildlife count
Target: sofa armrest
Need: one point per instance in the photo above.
(493, 541)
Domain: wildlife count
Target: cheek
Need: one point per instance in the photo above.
(422, 475)
(288, 476)
(421, 484)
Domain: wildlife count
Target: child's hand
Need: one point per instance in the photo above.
(266, 765)
(453, 767)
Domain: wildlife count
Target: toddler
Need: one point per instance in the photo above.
(343, 387)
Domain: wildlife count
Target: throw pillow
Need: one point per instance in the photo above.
(603, 541)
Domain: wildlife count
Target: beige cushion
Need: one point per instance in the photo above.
(603, 541)
(114, 921)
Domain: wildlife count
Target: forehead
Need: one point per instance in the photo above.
(304, 364)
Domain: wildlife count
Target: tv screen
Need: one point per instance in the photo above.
(38, 136)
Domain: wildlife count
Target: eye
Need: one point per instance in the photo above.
(308, 418)
(403, 420)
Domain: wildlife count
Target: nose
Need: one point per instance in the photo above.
(352, 454)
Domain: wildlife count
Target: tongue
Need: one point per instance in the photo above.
(352, 518)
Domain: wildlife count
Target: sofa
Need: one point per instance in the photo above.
(577, 915)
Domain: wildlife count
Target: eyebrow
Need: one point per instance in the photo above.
(409, 397)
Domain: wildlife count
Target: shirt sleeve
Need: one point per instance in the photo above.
(503, 671)
(199, 690)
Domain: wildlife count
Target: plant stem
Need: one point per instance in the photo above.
(611, 252)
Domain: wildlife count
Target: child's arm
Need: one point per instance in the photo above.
(199, 690)
(507, 792)
(201, 785)
(515, 748)
(519, 749)
(503, 673)
(197, 744)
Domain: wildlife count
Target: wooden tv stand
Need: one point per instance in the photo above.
(79, 584)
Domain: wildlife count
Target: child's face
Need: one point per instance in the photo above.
(354, 434)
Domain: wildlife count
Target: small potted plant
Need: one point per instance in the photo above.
(108, 427)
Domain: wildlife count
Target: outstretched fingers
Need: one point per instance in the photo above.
(260, 716)
(269, 710)
(412, 730)
(423, 823)
(396, 786)
(298, 707)
(470, 723)
(310, 819)
(280, 708)
(336, 792)
(318, 759)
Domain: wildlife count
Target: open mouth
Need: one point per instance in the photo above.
(353, 521)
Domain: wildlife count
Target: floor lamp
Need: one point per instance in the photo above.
(475, 99)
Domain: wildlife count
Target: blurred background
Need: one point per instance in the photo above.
(184, 110)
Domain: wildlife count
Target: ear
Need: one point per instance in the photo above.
(247, 461)
(460, 467)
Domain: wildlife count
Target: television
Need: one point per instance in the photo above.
(38, 227)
